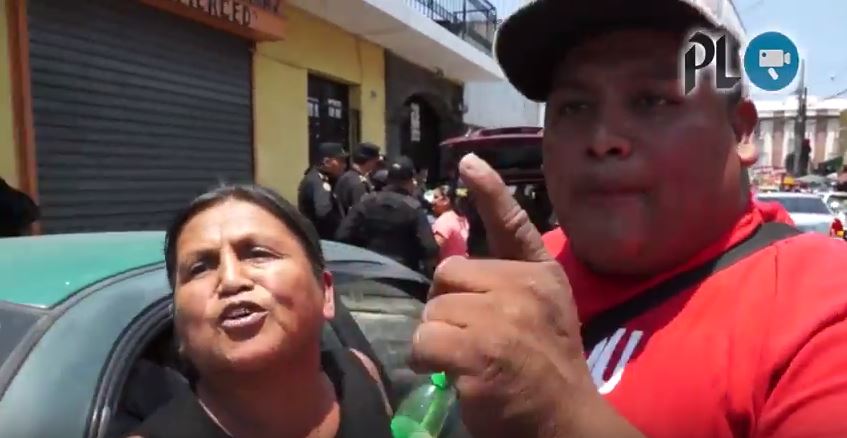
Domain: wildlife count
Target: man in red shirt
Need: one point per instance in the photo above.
(645, 183)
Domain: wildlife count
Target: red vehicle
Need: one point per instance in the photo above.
(515, 153)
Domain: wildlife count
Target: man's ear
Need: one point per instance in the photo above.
(329, 296)
(744, 121)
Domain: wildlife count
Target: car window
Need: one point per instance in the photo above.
(501, 155)
(799, 205)
(16, 322)
(837, 203)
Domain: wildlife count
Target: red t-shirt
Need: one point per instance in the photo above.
(757, 350)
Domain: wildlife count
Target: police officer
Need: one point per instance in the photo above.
(315, 197)
(379, 179)
(354, 183)
(392, 222)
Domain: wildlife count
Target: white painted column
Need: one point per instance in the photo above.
(811, 133)
(833, 125)
(765, 142)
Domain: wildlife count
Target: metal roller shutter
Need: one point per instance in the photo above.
(136, 112)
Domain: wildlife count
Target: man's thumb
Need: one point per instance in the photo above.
(509, 232)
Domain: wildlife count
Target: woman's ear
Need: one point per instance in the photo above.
(744, 121)
(329, 296)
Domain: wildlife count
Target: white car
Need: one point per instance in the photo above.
(808, 211)
(837, 202)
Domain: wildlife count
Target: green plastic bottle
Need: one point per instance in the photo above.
(423, 413)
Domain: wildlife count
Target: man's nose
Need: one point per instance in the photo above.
(610, 140)
(233, 279)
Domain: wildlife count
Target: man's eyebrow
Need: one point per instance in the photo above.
(568, 82)
(658, 71)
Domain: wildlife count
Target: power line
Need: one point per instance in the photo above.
(753, 6)
(838, 94)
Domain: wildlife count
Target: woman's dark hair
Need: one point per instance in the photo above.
(262, 197)
(459, 202)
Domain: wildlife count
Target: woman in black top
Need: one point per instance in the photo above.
(250, 299)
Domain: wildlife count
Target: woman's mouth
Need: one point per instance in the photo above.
(242, 315)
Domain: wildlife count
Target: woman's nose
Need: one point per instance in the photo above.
(233, 279)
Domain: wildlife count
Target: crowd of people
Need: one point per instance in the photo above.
(363, 200)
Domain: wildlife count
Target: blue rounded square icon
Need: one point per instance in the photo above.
(771, 61)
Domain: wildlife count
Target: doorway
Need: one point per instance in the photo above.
(329, 114)
(420, 136)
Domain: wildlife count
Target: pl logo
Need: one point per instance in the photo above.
(771, 61)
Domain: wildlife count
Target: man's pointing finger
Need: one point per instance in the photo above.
(510, 233)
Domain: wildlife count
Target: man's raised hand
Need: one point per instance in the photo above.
(506, 329)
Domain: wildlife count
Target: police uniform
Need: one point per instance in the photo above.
(315, 197)
(353, 185)
(393, 223)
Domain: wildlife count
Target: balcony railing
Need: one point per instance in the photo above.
(474, 21)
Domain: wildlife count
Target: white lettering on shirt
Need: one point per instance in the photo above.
(601, 354)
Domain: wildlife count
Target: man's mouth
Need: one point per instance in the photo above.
(614, 197)
(242, 314)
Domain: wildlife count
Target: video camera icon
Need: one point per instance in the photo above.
(773, 59)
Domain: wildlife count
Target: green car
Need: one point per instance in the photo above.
(86, 346)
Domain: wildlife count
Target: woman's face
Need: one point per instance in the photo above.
(440, 202)
(245, 293)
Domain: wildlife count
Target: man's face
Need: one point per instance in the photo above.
(370, 165)
(641, 176)
(335, 166)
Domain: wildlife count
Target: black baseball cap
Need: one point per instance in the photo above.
(331, 150)
(367, 151)
(401, 170)
(531, 41)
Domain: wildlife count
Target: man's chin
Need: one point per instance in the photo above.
(610, 254)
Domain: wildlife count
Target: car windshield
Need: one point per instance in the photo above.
(15, 323)
(838, 203)
(799, 205)
(503, 154)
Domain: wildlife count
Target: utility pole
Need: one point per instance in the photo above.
(800, 122)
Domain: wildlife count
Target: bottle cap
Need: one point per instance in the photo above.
(439, 380)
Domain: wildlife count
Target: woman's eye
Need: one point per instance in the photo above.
(260, 254)
(197, 269)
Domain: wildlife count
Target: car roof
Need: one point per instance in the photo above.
(495, 136)
(43, 271)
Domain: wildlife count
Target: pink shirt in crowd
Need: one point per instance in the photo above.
(454, 230)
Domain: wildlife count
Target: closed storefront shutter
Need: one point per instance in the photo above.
(136, 112)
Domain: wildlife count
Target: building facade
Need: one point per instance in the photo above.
(422, 109)
(775, 133)
(493, 104)
(115, 113)
(433, 48)
(428, 103)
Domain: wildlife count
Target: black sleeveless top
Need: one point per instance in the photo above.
(361, 404)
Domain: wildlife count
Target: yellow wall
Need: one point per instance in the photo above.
(8, 156)
(280, 88)
(281, 136)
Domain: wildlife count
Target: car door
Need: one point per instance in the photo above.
(120, 376)
(59, 383)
